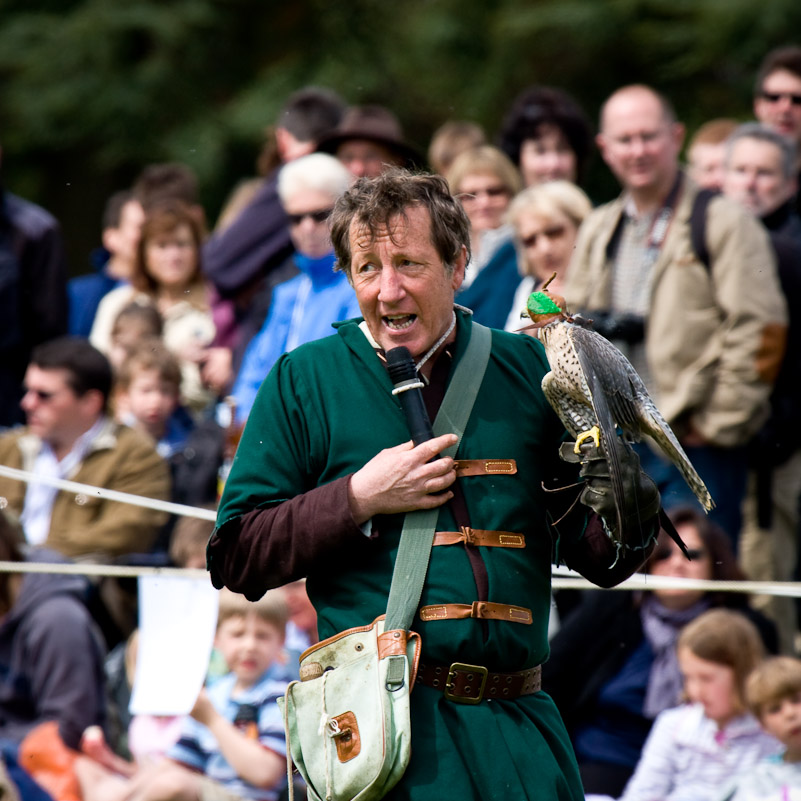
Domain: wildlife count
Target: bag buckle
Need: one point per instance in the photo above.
(469, 693)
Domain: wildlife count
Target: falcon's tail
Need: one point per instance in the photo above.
(658, 429)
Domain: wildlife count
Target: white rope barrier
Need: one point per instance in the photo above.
(90, 569)
(107, 494)
(563, 578)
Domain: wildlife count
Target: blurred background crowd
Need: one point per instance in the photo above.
(158, 257)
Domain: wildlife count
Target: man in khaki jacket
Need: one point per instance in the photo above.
(706, 332)
(69, 436)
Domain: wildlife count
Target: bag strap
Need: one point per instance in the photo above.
(417, 536)
(698, 225)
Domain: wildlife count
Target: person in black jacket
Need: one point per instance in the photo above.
(760, 174)
(613, 666)
(33, 292)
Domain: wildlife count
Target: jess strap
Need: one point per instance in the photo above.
(484, 610)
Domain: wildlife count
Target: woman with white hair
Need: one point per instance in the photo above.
(546, 219)
(304, 307)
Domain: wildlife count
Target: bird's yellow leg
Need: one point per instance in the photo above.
(593, 433)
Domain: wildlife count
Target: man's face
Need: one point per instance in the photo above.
(52, 409)
(754, 177)
(638, 143)
(308, 211)
(365, 158)
(778, 104)
(706, 164)
(404, 290)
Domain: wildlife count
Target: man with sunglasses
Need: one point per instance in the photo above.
(69, 436)
(777, 97)
(303, 307)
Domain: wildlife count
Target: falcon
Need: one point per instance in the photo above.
(597, 393)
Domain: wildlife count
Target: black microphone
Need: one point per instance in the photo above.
(403, 374)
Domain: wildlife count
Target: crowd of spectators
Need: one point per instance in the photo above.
(139, 376)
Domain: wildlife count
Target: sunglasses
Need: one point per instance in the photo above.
(661, 554)
(319, 216)
(775, 97)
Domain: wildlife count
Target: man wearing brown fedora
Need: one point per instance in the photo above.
(368, 140)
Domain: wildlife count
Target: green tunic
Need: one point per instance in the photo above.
(323, 412)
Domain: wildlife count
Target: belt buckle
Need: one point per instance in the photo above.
(464, 668)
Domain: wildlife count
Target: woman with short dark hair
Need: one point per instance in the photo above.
(547, 135)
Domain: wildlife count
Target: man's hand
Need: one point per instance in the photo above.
(641, 496)
(402, 479)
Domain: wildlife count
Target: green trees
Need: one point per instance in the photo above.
(92, 90)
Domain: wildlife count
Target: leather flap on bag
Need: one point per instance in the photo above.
(345, 732)
(341, 635)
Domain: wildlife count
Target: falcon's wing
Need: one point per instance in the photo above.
(615, 384)
(612, 375)
(613, 395)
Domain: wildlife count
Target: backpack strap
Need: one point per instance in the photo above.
(698, 225)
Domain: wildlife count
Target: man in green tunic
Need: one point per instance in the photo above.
(325, 472)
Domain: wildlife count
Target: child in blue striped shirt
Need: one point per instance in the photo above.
(232, 745)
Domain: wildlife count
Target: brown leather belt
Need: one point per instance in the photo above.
(471, 684)
(483, 610)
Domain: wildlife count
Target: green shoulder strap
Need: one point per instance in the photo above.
(417, 535)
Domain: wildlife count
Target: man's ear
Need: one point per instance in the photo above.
(93, 402)
(459, 268)
(678, 132)
(600, 143)
(290, 147)
(792, 187)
